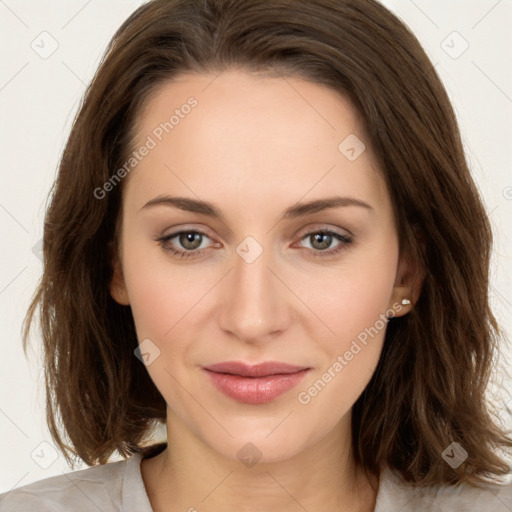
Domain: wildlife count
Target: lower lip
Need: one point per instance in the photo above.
(255, 390)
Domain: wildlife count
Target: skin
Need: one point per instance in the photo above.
(255, 146)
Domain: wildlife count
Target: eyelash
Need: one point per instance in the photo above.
(344, 239)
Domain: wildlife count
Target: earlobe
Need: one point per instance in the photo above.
(408, 282)
(117, 285)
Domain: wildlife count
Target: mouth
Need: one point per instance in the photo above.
(254, 384)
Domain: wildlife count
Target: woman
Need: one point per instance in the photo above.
(265, 235)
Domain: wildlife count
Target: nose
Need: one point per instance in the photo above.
(253, 300)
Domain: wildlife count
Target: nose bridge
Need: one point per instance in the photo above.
(254, 303)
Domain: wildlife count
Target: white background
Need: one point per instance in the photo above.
(39, 97)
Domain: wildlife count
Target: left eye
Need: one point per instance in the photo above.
(321, 240)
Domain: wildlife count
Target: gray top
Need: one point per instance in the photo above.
(118, 487)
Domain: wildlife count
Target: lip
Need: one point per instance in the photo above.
(255, 384)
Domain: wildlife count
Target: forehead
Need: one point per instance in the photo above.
(259, 137)
(244, 105)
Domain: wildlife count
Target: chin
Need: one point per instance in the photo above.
(261, 443)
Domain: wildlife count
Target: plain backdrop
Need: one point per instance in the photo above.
(49, 52)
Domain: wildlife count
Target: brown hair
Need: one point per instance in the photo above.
(429, 387)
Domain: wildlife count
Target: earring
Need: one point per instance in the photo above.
(405, 302)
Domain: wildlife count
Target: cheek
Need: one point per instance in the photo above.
(155, 299)
(348, 361)
(350, 336)
(353, 297)
(160, 301)
(166, 304)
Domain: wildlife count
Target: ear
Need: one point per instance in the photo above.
(408, 283)
(117, 284)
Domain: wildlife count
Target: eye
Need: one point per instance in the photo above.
(321, 240)
(189, 240)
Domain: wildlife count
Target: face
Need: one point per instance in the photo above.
(256, 264)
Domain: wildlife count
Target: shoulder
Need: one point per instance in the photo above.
(104, 488)
(395, 494)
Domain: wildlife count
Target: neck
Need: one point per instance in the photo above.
(189, 475)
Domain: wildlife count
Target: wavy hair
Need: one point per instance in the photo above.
(429, 388)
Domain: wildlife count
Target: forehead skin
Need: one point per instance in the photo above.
(253, 145)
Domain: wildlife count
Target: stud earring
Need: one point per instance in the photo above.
(405, 302)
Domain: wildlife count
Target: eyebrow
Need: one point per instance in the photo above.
(297, 210)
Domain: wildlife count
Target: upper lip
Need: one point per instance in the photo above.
(256, 370)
